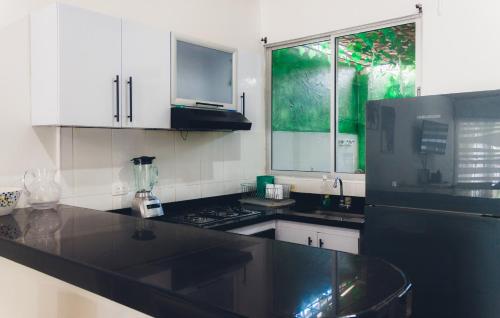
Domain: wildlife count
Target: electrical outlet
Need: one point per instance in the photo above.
(326, 185)
(120, 189)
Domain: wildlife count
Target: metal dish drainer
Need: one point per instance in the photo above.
(274, 192)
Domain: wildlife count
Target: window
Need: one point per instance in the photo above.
(300, 102)
(376, 64)
(372, 65)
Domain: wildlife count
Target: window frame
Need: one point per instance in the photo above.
(332, 37)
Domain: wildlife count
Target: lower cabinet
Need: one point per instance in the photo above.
(322, 236)
(295, 234)
(339, 242)
(329, 237)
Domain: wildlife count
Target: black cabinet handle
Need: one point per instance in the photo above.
(243, 103)
(321, 243)
(130, 98)
(309, 241)
(117, 81)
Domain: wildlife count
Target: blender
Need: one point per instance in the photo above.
(145, 204)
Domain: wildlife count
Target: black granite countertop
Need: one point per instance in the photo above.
(319, 217)
(173, 270)
(305, 210)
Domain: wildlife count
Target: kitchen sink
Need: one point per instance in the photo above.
(334, 215)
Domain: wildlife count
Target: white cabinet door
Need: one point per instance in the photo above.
(330, 237)
(90, 64)
(146, 76)
(343, 243)
(295, 234)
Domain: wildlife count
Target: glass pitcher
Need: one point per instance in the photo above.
(42, 189)
(145, 173)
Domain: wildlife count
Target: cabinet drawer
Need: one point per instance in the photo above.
(338, 242)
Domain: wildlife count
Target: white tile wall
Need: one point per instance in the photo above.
(161, 145)
(93, 161)
(191, 166)
(233, 162)
(212, 157)
(126, 144)
(212, 189)
(187, 163)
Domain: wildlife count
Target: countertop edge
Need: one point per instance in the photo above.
(139, 295)
(289, 217)
(110, 285)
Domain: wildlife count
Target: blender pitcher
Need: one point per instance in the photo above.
(145, 204)
(145, 173)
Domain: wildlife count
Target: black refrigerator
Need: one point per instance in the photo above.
(433, 199)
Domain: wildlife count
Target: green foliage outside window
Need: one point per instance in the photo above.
(301, 84)
(372, 65)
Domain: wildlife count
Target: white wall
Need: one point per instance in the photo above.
(458, 39)
(45, 296)
(458, 43)
(92, 160)
(459, 54)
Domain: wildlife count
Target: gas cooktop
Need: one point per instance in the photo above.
(210, 216)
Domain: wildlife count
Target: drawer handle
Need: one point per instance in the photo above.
(117, 81)
(321, 243)
(309, 241)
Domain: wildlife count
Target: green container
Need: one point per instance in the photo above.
(261, 185)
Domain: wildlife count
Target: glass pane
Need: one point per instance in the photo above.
(301, 81)
(372, 65)
(204, 74)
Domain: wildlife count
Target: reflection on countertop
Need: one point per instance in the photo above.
(173, 270)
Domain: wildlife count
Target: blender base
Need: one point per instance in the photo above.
(146, 205)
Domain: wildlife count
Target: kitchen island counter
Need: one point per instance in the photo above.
(173, 270)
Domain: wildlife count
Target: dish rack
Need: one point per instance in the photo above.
(272, 192)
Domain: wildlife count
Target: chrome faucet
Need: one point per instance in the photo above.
(344, 203)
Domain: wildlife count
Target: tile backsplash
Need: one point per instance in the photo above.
(96, 171)
(93, 162)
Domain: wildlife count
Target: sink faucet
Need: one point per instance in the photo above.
(344, 203)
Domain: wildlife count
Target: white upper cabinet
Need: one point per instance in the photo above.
(146, 76)
(82, 63)
(82, 59)
(90, 64)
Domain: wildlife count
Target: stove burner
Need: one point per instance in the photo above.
(229, 214)
(213, 215)
(199, 219)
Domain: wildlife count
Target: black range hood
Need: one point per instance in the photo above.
(190, 118)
